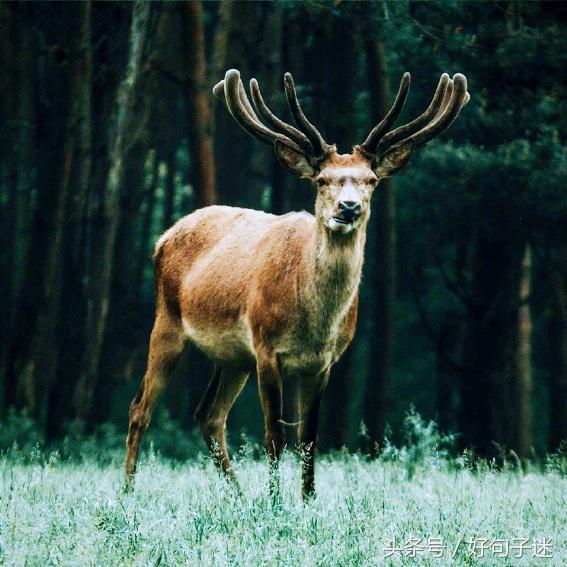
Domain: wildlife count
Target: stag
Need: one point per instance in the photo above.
(276, 294)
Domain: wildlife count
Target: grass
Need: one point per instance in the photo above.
(71, 511)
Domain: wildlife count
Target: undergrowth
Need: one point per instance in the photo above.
(64, 505)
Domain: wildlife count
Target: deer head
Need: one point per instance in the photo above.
(344, 182)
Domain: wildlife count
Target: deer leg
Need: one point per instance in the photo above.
(310, 392)
(212, 411)
(270, 387)
(166, 345)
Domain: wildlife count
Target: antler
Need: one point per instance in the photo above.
(293, 133)
(450, 96)
(307, 140)
(319, 145)
(383, 126)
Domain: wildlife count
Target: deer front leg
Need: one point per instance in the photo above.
(310, 392)
(270, 388)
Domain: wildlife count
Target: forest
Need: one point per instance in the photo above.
(111, 133)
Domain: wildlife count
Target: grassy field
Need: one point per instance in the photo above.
(412, 507)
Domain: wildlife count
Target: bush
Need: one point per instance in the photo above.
(424, 445)
(19, 432)
(20, 436)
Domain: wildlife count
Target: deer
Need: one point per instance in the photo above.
(277, 294)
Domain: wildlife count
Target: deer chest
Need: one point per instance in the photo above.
(308, 353)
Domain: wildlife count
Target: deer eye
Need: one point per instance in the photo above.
(371, 181)
(321, 182)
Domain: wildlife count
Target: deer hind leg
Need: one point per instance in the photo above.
(309, 400)
(166, 345)
(212, 411)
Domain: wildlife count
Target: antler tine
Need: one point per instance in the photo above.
(446, 100)
(415, 125)
(219, 92)
(445, 117)
(240, 108)
(246, 104)
(218, 89)
(320, 147)
(369, 145)
(287, 129)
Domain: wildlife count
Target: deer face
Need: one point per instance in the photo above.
(343, 194)
(344, 185)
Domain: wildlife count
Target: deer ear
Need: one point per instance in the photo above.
(294, 161)
(394, 159)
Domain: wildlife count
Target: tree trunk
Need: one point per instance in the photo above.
(124, 123)
(145, 246)
(84, 149)
(73, 254)
(274, 71)
(109, 69)
(127, 326)
(523, 385)
(199, 115)
(25, 277)
(41, 367)
(558, 347)
(234, 44)
(34, 344)
(15, 93)
(25, 143)
(169, 196)
(383, 278)
(68, 216)
(494, 411)
(177, 390)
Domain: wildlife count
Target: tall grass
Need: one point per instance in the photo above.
(68, 509)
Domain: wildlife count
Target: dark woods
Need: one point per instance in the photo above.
(110, 133)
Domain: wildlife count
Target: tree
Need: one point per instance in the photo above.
(523, 389)
(124, 123)
(34, 344)
(235, 40)
(17, 146)
(199, 117)
(383, 277)
(558, 350)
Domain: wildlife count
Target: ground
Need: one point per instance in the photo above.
(398, 511)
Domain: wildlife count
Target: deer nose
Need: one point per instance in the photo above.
(350, 210)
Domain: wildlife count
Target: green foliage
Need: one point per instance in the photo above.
(424, 445)
(557, 462)
(19, 432)
(20, 438)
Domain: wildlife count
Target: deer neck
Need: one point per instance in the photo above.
(334, 268)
